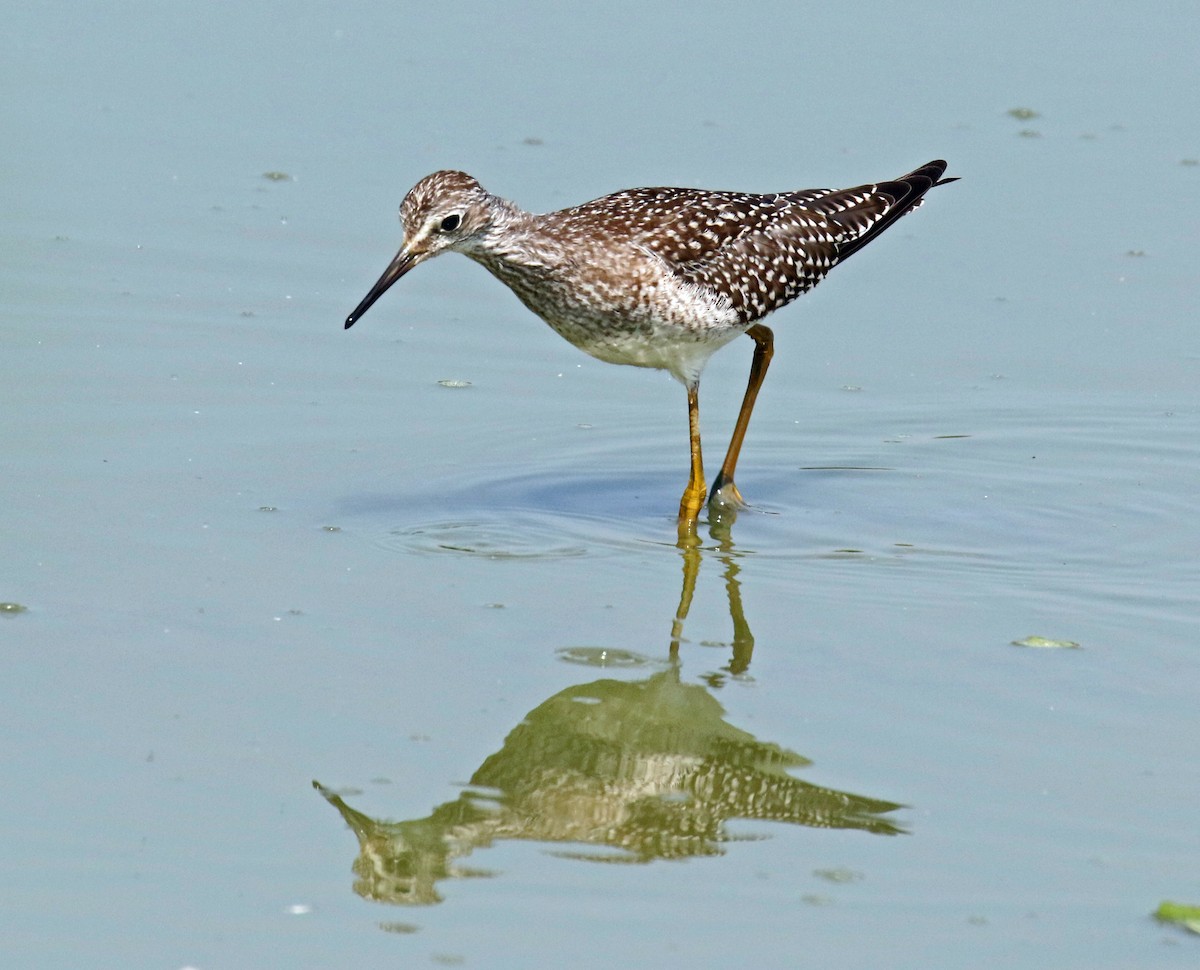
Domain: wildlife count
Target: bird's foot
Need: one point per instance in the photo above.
(724, 501)
(690, 505)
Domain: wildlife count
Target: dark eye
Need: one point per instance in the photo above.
(450, 223)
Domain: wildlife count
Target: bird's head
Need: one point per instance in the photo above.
(444, 211)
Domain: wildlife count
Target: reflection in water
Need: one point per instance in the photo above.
(690, 547)
(637, 771)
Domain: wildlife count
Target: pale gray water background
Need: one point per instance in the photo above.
(256, 550)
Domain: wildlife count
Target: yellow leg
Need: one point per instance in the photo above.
(689, 548)
(724, 491)
(693, 495)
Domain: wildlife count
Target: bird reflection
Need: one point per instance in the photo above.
(691, 548)
(622, 771)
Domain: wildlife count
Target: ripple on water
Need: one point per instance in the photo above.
(605, 657)
(542, 514)
(1090, 504)
(512, 537)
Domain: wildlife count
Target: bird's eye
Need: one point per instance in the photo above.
(450, 223)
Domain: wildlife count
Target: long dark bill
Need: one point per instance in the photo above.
(403, 262)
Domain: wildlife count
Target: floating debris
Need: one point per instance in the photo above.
(11, 609)
(1023, 114)
(454, 383)
(1179, 914)
(840, 874)
(277, 176)
(1045, 643)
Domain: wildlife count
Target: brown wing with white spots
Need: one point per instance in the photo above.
(776, 257)
(762, 251)
(680, 225)
(771, 265)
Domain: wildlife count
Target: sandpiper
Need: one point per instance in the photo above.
(657, 277)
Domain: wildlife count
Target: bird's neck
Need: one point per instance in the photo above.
(514, 242)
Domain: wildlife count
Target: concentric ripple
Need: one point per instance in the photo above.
(512, 537)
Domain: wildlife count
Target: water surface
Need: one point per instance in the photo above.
(255, 551)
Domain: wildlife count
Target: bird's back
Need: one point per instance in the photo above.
(759, 252)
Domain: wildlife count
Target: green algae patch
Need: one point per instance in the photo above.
(1179, 914)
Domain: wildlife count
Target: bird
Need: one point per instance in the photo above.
(658, 277)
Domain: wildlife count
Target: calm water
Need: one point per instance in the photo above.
(255, 551)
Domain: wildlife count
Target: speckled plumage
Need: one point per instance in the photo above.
(654, 277)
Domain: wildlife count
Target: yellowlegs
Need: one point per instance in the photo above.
(659, 277)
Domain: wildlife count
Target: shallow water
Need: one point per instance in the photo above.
(255, 551)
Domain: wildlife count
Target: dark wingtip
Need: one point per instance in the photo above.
(350, 321)
(935, 170)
